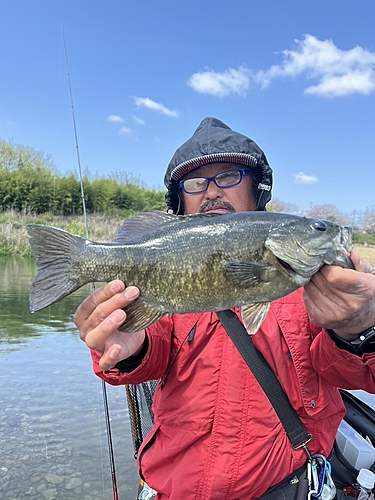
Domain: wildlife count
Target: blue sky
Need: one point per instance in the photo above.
(296, 76)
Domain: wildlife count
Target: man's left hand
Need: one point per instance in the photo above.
(343, 300)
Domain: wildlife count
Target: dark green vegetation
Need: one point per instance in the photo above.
(29, 181)
(33, 191)
(364, 239)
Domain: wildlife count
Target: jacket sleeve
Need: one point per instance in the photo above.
(154, 362)
(341, 368)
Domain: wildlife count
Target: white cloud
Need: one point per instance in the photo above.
(124, 131)
(137, 120)
(302, 178)
(145, 102)
(115, 119)
(230, 81)
(339, 72)
(10, 124)
(351, 83)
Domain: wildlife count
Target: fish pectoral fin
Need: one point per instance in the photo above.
(140, 315)
(247, 271)
(254, 315)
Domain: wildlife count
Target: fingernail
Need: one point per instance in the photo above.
(131, 292)
(118, 316)
(114, 352)
(116, 287)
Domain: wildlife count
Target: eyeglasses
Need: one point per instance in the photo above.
(225, 179)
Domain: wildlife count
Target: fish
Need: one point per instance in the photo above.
(191, 263)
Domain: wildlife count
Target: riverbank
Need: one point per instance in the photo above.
(102, 228)
(14, 239)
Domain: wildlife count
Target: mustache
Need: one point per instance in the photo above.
(214, 204)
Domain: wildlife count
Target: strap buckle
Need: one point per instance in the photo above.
(303, 445)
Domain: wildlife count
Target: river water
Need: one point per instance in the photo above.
(53, 441)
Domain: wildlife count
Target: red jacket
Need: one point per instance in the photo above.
(216, 436)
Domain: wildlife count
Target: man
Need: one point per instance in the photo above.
(216, 435)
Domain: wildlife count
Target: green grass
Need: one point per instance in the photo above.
(14, 239)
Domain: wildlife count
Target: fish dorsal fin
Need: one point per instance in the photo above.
(246, 271)
(140, 315)
(135, 227)
(254, 315)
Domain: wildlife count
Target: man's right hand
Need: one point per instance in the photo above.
(98, 319)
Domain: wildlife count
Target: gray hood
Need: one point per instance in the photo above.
(213, 142)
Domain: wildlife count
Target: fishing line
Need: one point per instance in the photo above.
(104, 389)
(76, 138)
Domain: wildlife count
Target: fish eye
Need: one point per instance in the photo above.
(319, 225)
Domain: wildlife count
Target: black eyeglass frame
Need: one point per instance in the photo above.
(242, 171)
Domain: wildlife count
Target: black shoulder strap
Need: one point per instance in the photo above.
(266, 378)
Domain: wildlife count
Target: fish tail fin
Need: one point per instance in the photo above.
(55, 251)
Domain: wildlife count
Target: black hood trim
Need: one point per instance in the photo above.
(214, 142)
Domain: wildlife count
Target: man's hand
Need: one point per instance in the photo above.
(98, 319)
(343, 300)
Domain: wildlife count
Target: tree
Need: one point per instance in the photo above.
(29, 180)
(275, 205)
(328, 212)
(26, 178)
(369, 223)
(67, 197)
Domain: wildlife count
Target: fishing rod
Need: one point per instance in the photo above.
(104, 389)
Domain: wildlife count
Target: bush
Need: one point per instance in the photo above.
(30, 181)
(364, 239)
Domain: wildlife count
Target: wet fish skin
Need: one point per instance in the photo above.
(191, 263)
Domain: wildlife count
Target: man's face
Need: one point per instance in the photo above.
(239, 198)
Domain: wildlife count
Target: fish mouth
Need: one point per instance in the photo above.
(287, 267)
(297, 277)
(343, 258)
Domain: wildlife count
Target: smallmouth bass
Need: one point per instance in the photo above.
(193, 263)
